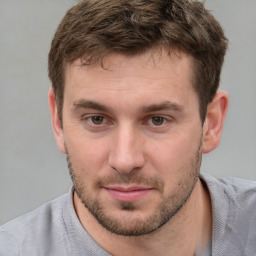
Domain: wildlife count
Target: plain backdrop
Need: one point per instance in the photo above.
(32, 170)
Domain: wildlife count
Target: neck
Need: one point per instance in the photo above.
(187, 232)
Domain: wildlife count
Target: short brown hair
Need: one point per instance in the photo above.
(94, 28)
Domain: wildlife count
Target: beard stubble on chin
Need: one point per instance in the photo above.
(134, 225)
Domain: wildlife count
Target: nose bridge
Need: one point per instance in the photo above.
(126, 152)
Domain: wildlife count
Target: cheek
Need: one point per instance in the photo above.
(173, 153)
(87, 155)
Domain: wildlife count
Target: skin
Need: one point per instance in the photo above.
(134, 139)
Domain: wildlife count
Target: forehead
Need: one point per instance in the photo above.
(155, 76)
(150, 65)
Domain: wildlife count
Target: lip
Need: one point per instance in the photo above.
(128, 194)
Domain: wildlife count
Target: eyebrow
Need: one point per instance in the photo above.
(89, 104)
(167, 105)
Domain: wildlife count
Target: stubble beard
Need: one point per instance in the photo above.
(135, 226)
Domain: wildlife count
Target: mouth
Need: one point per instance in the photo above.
(128, 194)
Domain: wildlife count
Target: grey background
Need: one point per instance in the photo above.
(32, 170)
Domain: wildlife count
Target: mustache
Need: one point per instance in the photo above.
(121, 179)
(131, 178)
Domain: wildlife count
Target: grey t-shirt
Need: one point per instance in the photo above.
(54, 229)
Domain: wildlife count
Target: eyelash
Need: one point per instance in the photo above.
(154, 118)
(106, 120)
(89, 119)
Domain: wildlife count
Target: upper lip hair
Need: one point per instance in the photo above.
(127, 189)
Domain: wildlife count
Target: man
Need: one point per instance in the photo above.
(134, 105)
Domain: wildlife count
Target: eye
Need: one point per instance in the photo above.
(157, 120)
(96, 120)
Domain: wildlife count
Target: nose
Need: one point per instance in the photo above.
(126, 153)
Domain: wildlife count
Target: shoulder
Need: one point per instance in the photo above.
(35, 227)
(234, 214)
(231, 188)
(232, 194)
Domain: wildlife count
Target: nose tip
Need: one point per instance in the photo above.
(126, 152)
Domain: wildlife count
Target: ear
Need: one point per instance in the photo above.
(56, 123)
(214, 121)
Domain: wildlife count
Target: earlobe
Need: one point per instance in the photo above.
(214, 121)
(56, 122)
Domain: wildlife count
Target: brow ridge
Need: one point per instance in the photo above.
(88, 104)
(167, 105)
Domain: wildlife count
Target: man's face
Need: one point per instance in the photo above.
(132, 132)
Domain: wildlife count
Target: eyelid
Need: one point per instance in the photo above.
(108, 122)
(84, 116)
(163, 119)
(102, 120)
(88, 123)
(167, 119)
